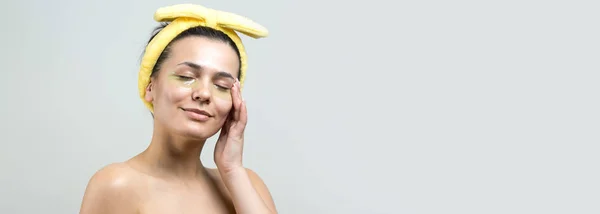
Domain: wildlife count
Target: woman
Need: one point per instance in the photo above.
(190, 79)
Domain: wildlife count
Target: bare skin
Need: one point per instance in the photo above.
(169, 177)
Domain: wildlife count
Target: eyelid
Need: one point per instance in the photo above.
(185, 71)
(185, 77)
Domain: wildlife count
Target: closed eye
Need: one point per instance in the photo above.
(184, 77)
(220, 87)
(224, 84)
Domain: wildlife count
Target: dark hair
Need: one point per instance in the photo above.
(195, 31)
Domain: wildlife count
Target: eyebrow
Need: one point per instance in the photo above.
(199, 67)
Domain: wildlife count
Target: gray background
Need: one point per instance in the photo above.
(363, 107)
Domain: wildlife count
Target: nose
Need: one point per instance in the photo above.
(201, 93)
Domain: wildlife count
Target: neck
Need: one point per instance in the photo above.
(174, 156)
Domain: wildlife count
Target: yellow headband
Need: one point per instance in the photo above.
(186, 16)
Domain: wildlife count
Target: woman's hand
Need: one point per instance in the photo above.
(229, 147)
(248, 192)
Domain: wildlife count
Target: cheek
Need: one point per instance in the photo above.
(222, 100)
(222, 95)
(173, 93)
(223, 106)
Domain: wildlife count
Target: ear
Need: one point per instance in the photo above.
(149, 97)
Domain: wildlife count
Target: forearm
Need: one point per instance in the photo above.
(246, 198)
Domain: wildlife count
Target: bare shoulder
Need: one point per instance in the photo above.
(257, 181)
(262, 189)
(111, 190)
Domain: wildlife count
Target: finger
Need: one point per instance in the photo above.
(243, 114)
(228, 122)
(225, 129)
(240, 90)
(237, 101)
(222, 138)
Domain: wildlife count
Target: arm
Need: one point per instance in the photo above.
(108, 192)
(249, 193)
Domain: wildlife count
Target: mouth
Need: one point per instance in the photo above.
(197, 114)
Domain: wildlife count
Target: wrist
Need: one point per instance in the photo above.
(231, 172)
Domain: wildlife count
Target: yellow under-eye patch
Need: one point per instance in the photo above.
(220, 86)
(186, 16)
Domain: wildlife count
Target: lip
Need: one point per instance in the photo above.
(197, 114)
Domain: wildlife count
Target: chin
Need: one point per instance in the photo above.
(198, 131)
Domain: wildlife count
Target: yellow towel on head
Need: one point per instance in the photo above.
(186, 16)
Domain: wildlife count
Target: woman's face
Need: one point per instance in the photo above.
(192, 92)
